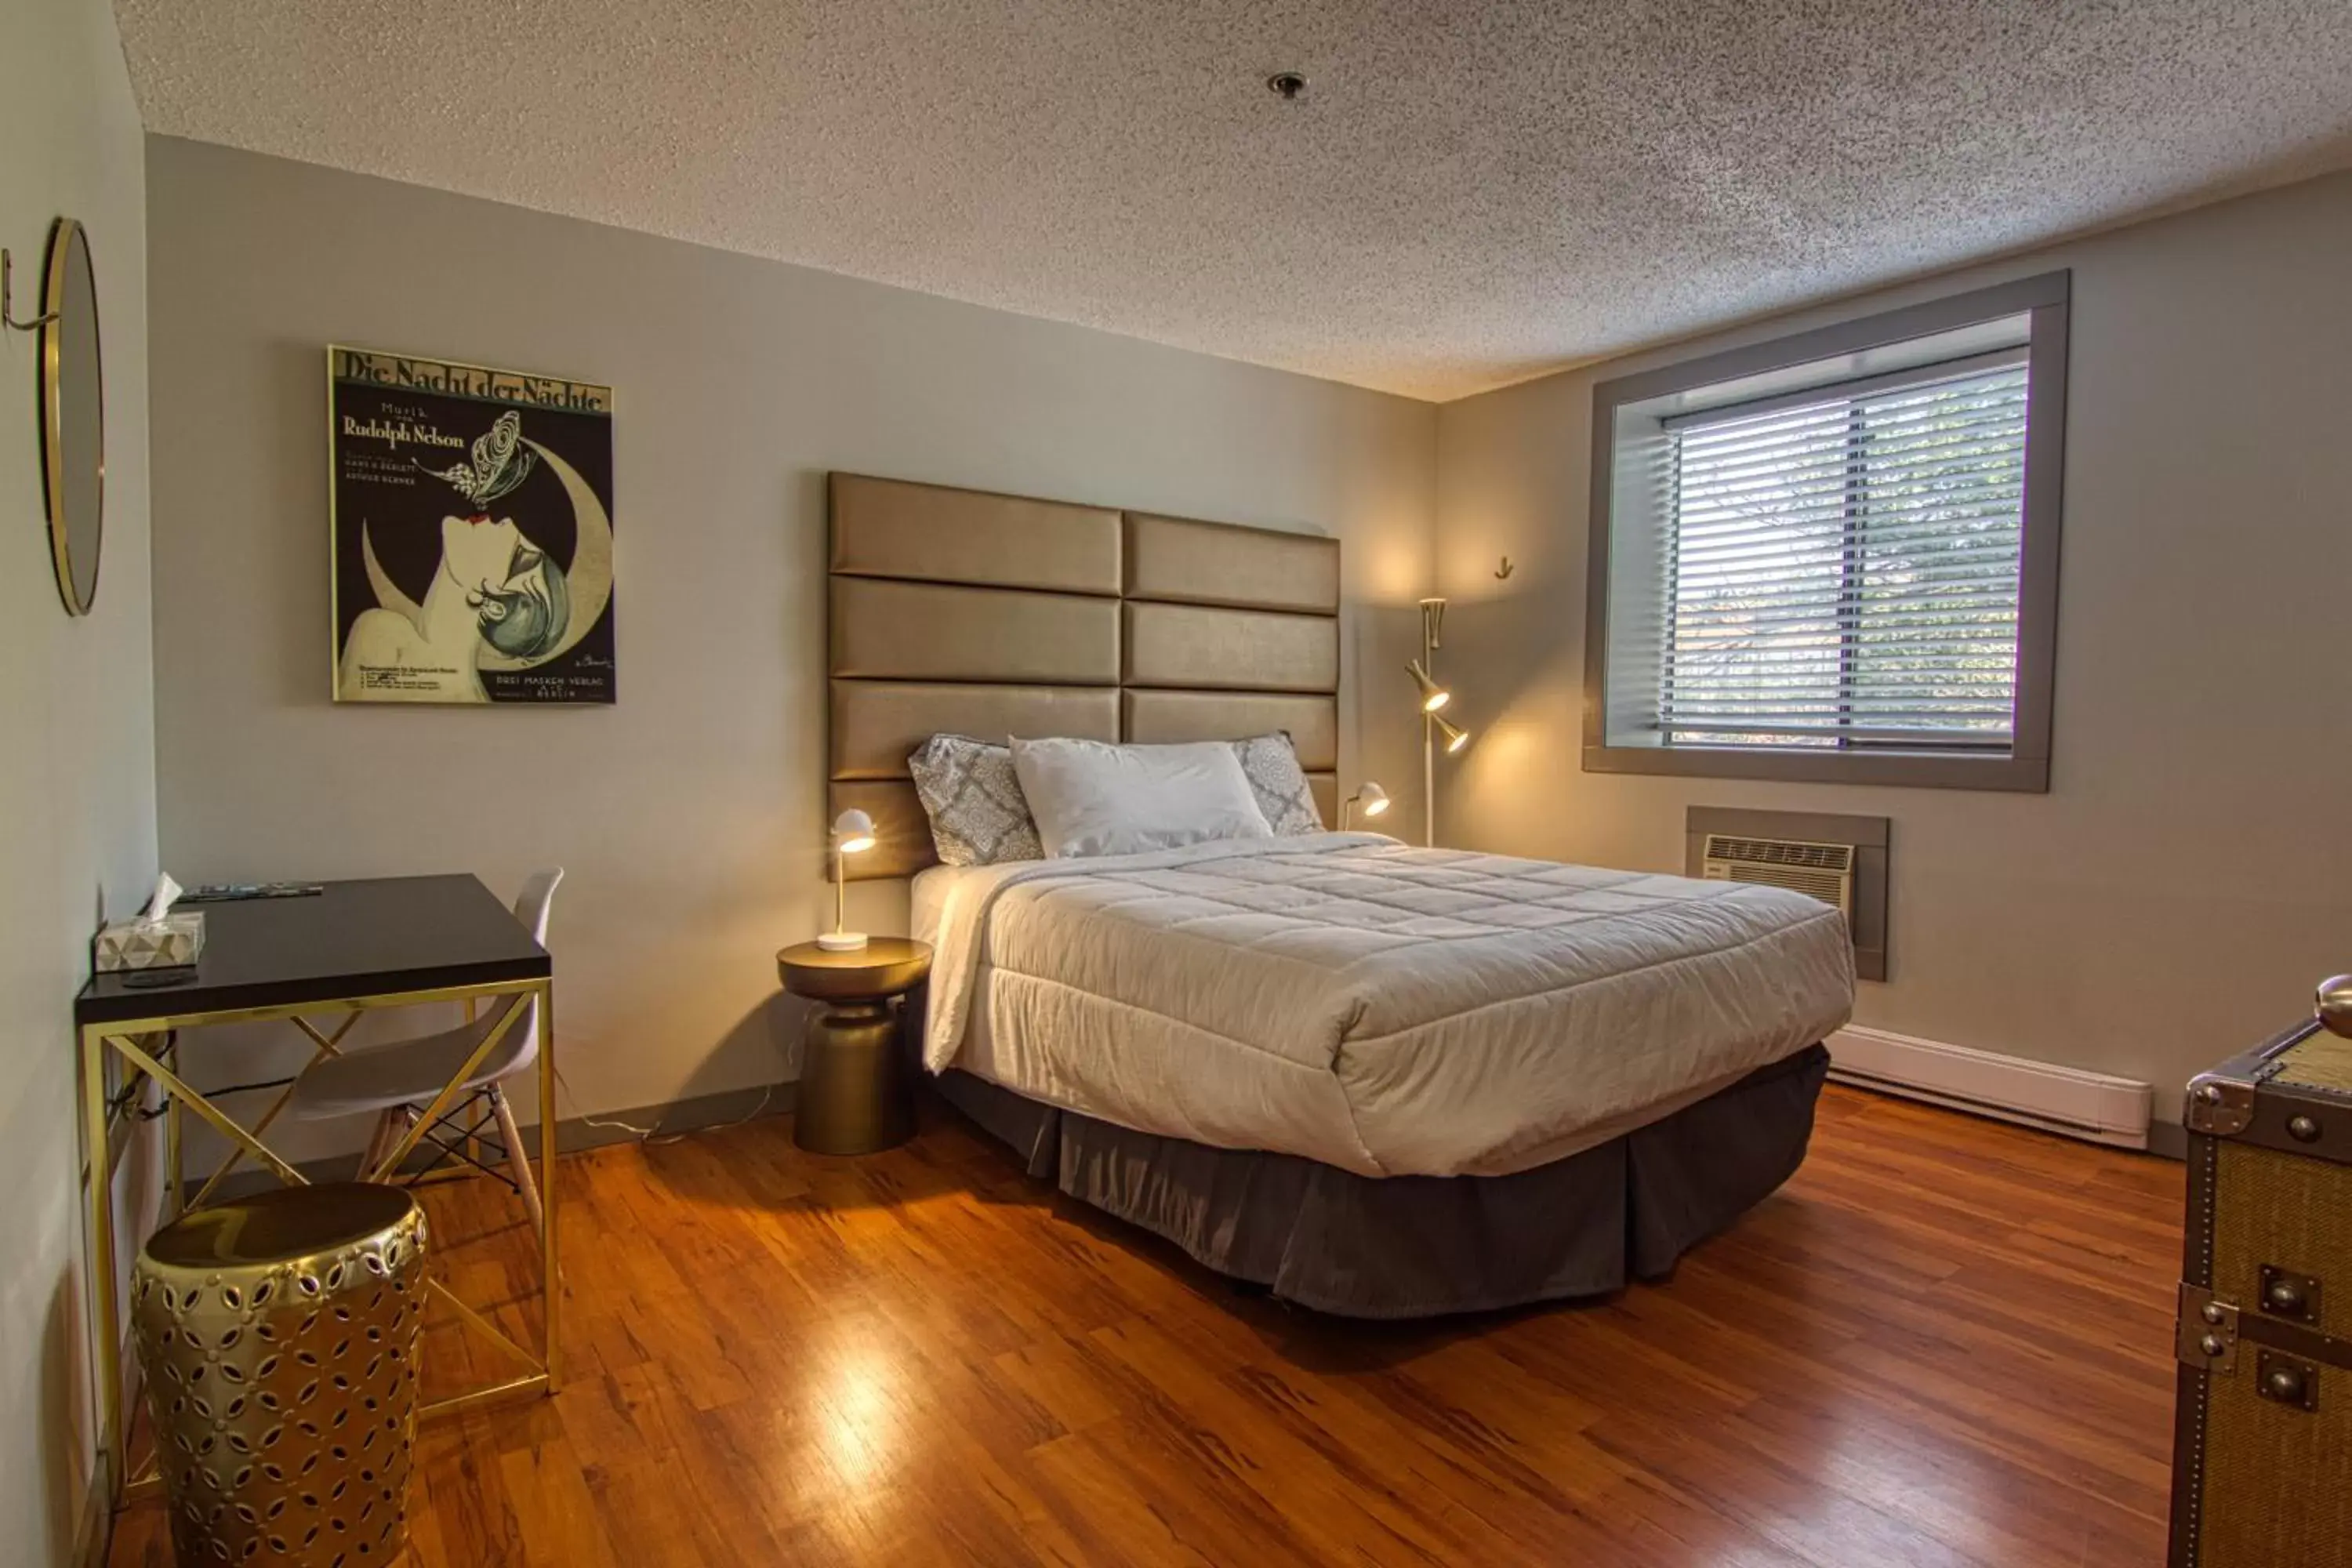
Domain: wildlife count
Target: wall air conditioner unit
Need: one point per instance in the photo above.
(1824, 871)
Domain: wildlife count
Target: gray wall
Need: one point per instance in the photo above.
(2189, 874)
(77, 755)
(691, 814)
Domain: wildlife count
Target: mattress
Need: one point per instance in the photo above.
(1385, 1010)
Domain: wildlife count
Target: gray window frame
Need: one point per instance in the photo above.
(2026, 766)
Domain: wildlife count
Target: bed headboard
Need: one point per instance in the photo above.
(958, 611)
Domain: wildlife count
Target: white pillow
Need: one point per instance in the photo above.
(1091, 798)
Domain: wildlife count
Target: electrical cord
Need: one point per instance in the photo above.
(121, 1105)
(124, 1102)
(654, 1137)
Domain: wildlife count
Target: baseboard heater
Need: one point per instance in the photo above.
(2090, 1105)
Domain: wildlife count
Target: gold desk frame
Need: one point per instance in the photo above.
(128, 1041)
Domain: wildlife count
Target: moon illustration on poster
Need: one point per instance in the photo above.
(590, 578)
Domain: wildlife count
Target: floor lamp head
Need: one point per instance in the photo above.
(1432, 696)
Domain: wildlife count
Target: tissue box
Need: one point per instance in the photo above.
(173, 942)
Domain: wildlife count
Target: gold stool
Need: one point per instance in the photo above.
(280, 1336)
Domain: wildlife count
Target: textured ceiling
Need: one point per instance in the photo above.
(1468, 195)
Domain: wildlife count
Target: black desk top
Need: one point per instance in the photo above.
(368, 938)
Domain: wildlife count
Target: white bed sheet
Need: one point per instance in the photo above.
(1383, 1009)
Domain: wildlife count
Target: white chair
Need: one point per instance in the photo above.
(398, 1079)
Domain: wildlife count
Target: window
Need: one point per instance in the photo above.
(1845, 571)
(1834, 557)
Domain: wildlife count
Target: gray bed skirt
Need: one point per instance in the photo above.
(1415, 1246)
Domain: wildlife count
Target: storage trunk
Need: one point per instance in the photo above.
(2261, 1469)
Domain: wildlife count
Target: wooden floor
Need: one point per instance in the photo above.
(1946, 1342)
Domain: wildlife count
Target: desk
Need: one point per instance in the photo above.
(354, 948)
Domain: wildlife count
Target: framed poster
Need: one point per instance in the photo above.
(470, 512)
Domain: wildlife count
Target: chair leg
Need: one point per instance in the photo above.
(517, 1161)
(379, 1140)
(397, 1124)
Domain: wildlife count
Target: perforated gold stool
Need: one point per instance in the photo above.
(280, 1336)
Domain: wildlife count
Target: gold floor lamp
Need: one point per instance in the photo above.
(1435, 726)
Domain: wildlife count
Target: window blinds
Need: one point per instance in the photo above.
(1842, 567)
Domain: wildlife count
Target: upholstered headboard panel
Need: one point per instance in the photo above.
(960, 612)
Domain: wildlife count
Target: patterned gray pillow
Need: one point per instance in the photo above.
(979, 816)
(1271, 764)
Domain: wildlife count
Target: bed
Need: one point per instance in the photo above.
(1377, 1080)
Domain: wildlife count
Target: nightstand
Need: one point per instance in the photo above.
(858, 1085)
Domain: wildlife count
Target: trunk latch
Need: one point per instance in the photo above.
(2208, 1330)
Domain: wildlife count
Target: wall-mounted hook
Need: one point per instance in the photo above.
(1503, 572)
(8, 310)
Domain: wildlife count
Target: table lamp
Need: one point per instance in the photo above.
(853, 834)
(1369, 795)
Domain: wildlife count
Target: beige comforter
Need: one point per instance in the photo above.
(1387, 1010)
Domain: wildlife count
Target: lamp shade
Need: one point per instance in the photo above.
(1432, 696)
(1456, 737)
(1372, 798)
(853, 832)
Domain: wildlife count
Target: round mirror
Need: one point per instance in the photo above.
(73, 416)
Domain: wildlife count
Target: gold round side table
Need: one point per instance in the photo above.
(278, 1335)
(857, 1086)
